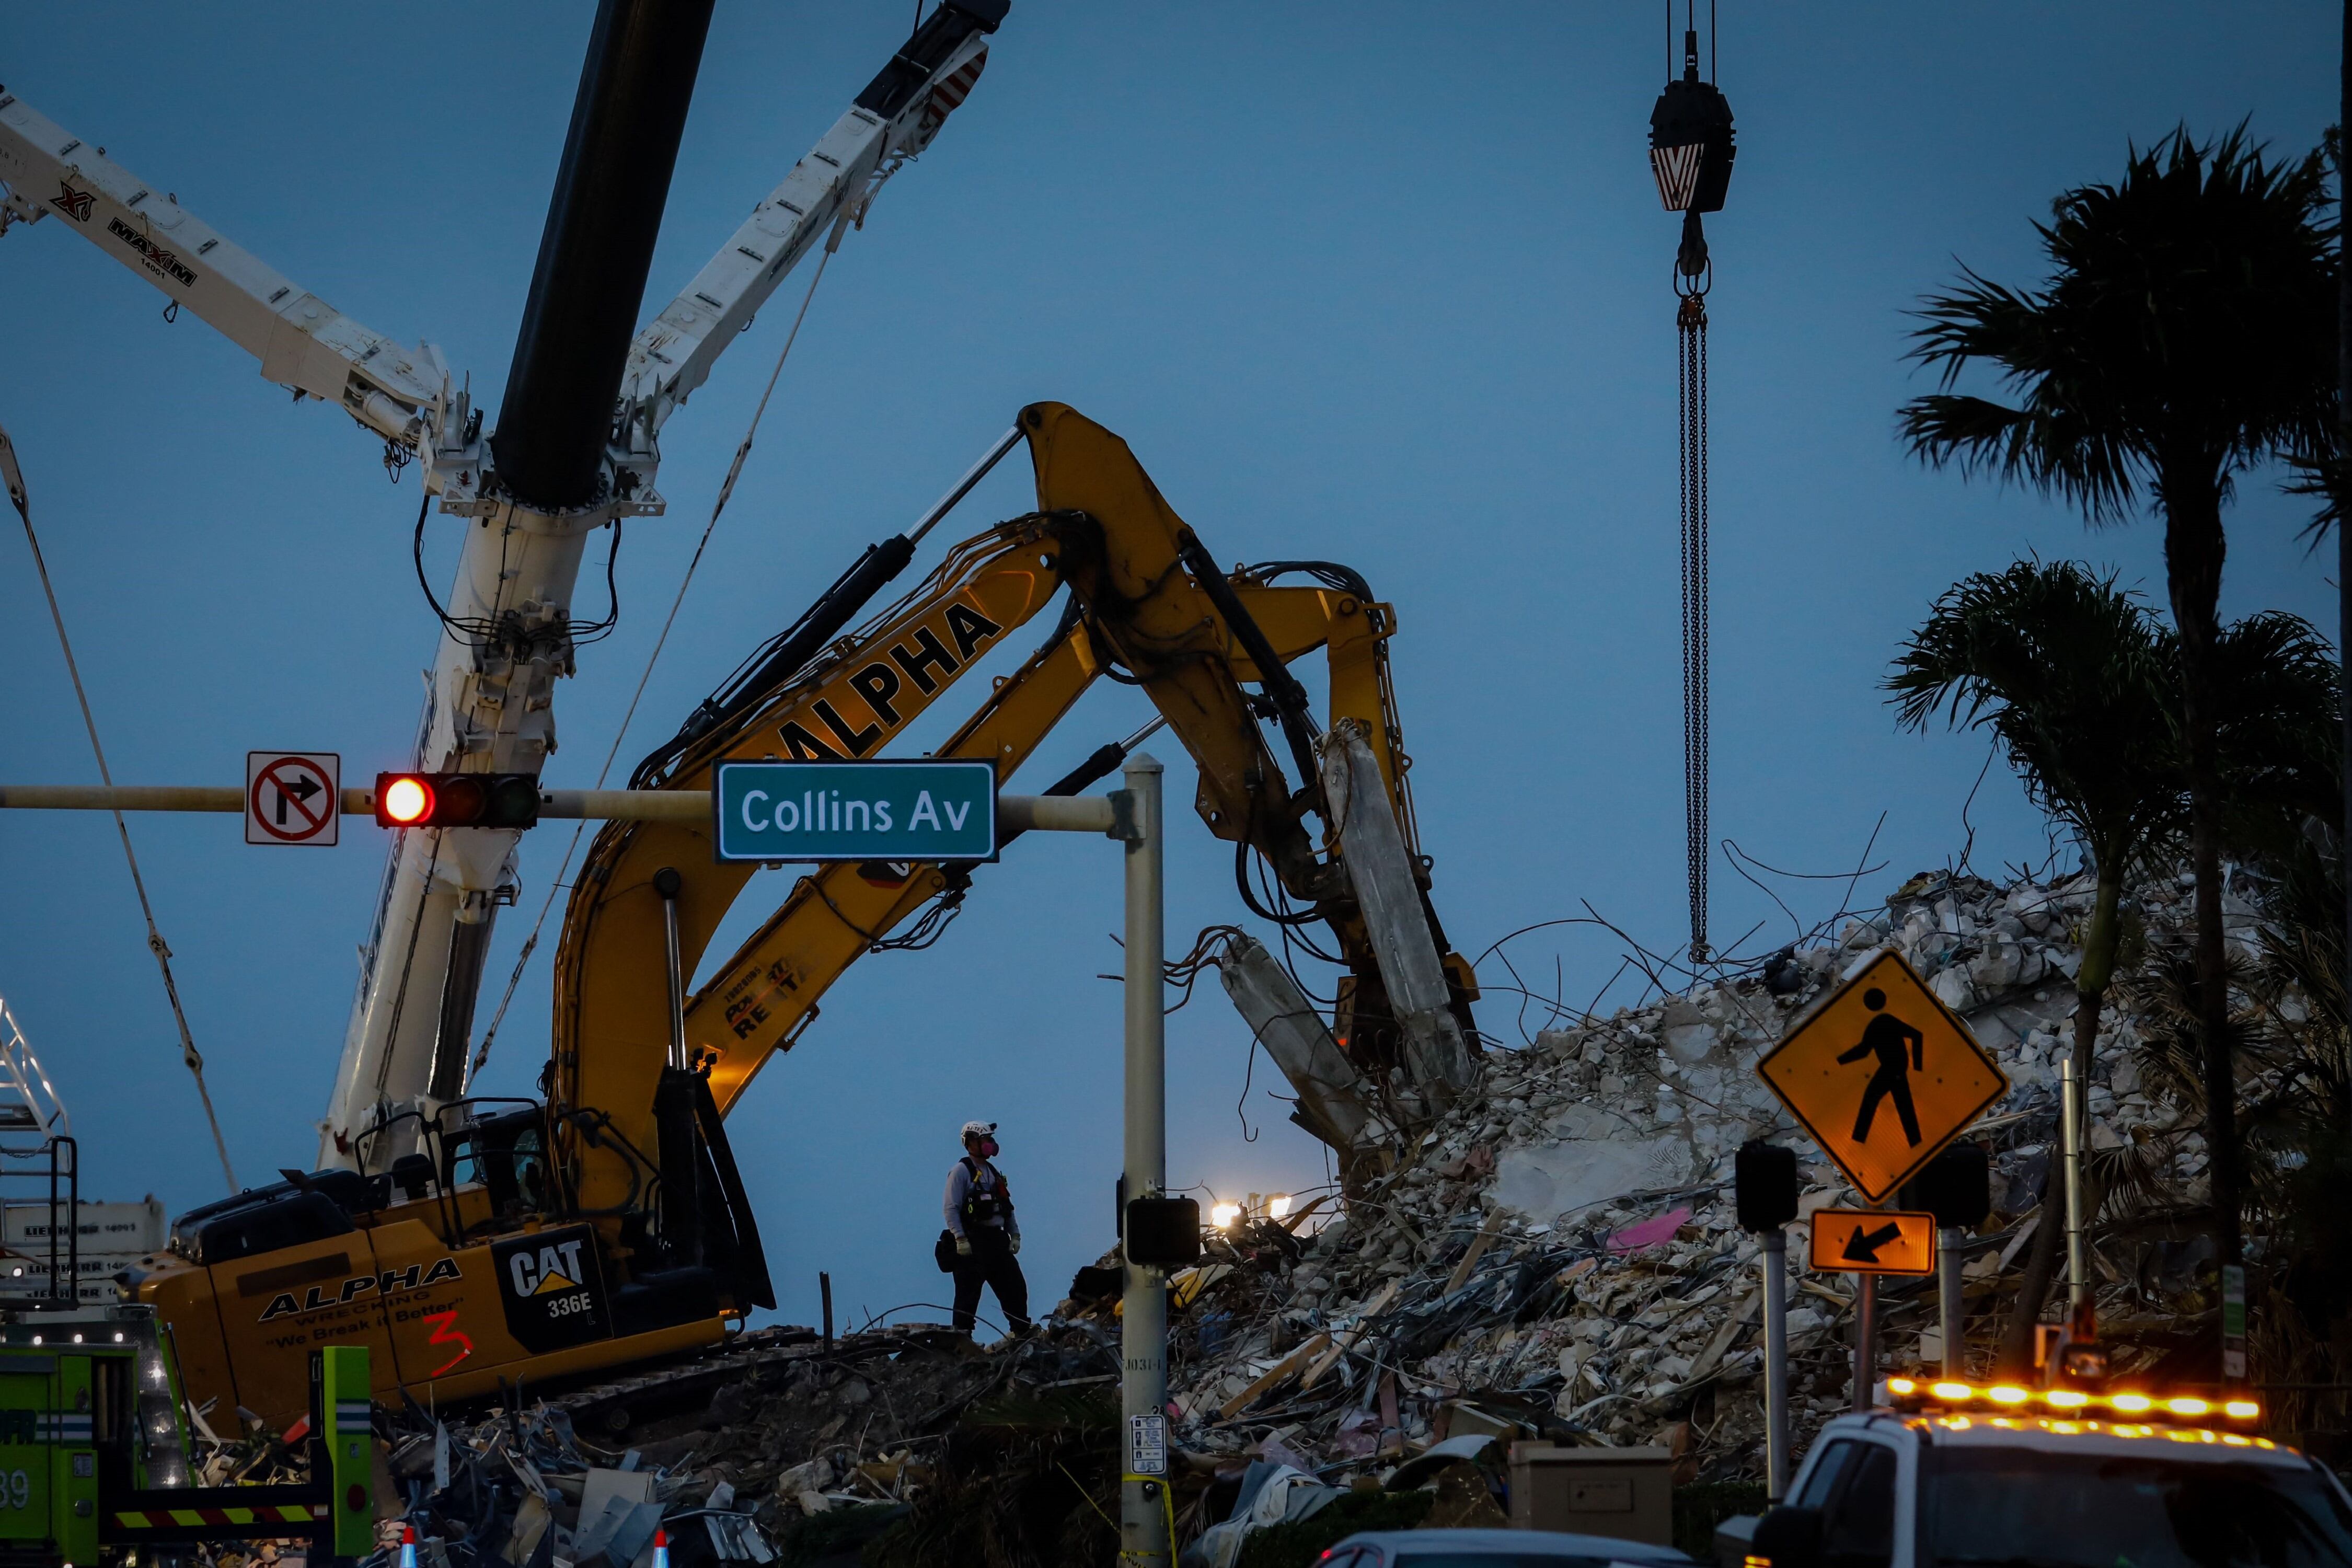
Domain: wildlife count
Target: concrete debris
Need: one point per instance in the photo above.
(735, 1456)
(1557, 1255)
(1553, 1258)
(1381, 873)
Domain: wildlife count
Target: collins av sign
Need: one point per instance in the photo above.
(917, 809)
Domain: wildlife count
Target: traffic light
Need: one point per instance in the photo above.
(1764, 1181)
(456, 800)
(1956, 1186)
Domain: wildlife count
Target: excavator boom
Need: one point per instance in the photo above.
(524, 1242)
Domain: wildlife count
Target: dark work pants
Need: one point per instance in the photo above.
(991, 1263)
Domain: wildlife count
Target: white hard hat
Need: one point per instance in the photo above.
(979, 1129)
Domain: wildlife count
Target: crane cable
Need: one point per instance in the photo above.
(1690, 324)
(15, 478)
(1690, 154)
(726, 490)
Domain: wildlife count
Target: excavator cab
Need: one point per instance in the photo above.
(505, 1155)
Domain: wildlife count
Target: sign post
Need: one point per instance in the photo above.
(1882, 1075)
(1868, 1243)
(1765, 1181)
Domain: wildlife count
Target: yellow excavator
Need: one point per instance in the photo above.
(534, 1243)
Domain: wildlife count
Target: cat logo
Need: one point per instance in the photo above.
(552, 1285)
(555, 1267)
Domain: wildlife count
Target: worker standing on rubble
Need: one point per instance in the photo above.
(979, 1212)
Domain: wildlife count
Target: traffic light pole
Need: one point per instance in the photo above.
(1776, 1363)
(1954, 1311)
(595, 805)
(1132, 815)
(1865, 1340)
(1146, 1512)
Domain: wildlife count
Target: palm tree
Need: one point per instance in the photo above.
(2072, 675)
(2188, 330)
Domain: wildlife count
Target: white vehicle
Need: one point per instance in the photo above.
(1963, 1477)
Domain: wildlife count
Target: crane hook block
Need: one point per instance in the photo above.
(1690, 141)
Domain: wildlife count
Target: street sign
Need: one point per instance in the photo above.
(1881, 1074)
(1147, 1445)
(916, 809)
(293, 797)
(1874, 1241)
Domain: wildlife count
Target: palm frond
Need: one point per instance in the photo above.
(2071, 673)
(2187, 326)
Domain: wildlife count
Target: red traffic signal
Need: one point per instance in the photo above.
(456, 800)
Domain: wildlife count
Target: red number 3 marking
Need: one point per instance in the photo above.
(445, 1332)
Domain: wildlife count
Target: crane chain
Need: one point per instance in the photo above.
(1690, 322)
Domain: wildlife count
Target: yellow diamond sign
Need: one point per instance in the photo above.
(1881, 1074)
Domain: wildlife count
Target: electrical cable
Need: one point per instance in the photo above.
(489, 628)
(155, 944)
(726, 490)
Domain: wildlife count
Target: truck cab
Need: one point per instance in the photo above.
(1976, 1489)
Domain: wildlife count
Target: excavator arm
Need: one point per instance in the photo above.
(1101, 530)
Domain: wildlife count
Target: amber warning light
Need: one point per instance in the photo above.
(1913, 1393)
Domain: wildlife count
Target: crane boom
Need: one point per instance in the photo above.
(892, 121)
(507, 631)
(301, 340)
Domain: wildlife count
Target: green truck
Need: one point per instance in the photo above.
(94, 1448)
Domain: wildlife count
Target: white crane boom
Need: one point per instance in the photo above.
(506, 635)
(830, 187)
(302, 342)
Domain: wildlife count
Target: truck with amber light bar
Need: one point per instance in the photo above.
(1952, 1474)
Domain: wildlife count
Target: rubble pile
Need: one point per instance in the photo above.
(785, 1449)
(1558, 1256)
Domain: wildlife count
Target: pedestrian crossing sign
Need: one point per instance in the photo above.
(1881, 1074)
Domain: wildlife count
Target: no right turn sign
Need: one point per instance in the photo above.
(293, 797)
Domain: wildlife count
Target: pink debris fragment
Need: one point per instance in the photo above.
(1650, 1232)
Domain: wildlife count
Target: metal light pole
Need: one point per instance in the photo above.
(2070, 1111)
(1954, 1309)
(1144, 1504)
(1865, 1340)
(1776, 1364)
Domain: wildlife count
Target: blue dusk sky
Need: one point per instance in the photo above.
(1384, 284)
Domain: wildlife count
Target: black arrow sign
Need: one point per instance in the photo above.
(302, 787)
(1862, 1245)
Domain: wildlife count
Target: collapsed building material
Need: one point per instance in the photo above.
(1395, 915)
(1557, 1255)
(1331, 1093)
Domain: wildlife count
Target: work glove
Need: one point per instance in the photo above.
(963, 1247)
(1016, 1243)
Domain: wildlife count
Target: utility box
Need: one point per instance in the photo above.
(1624, 1493)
